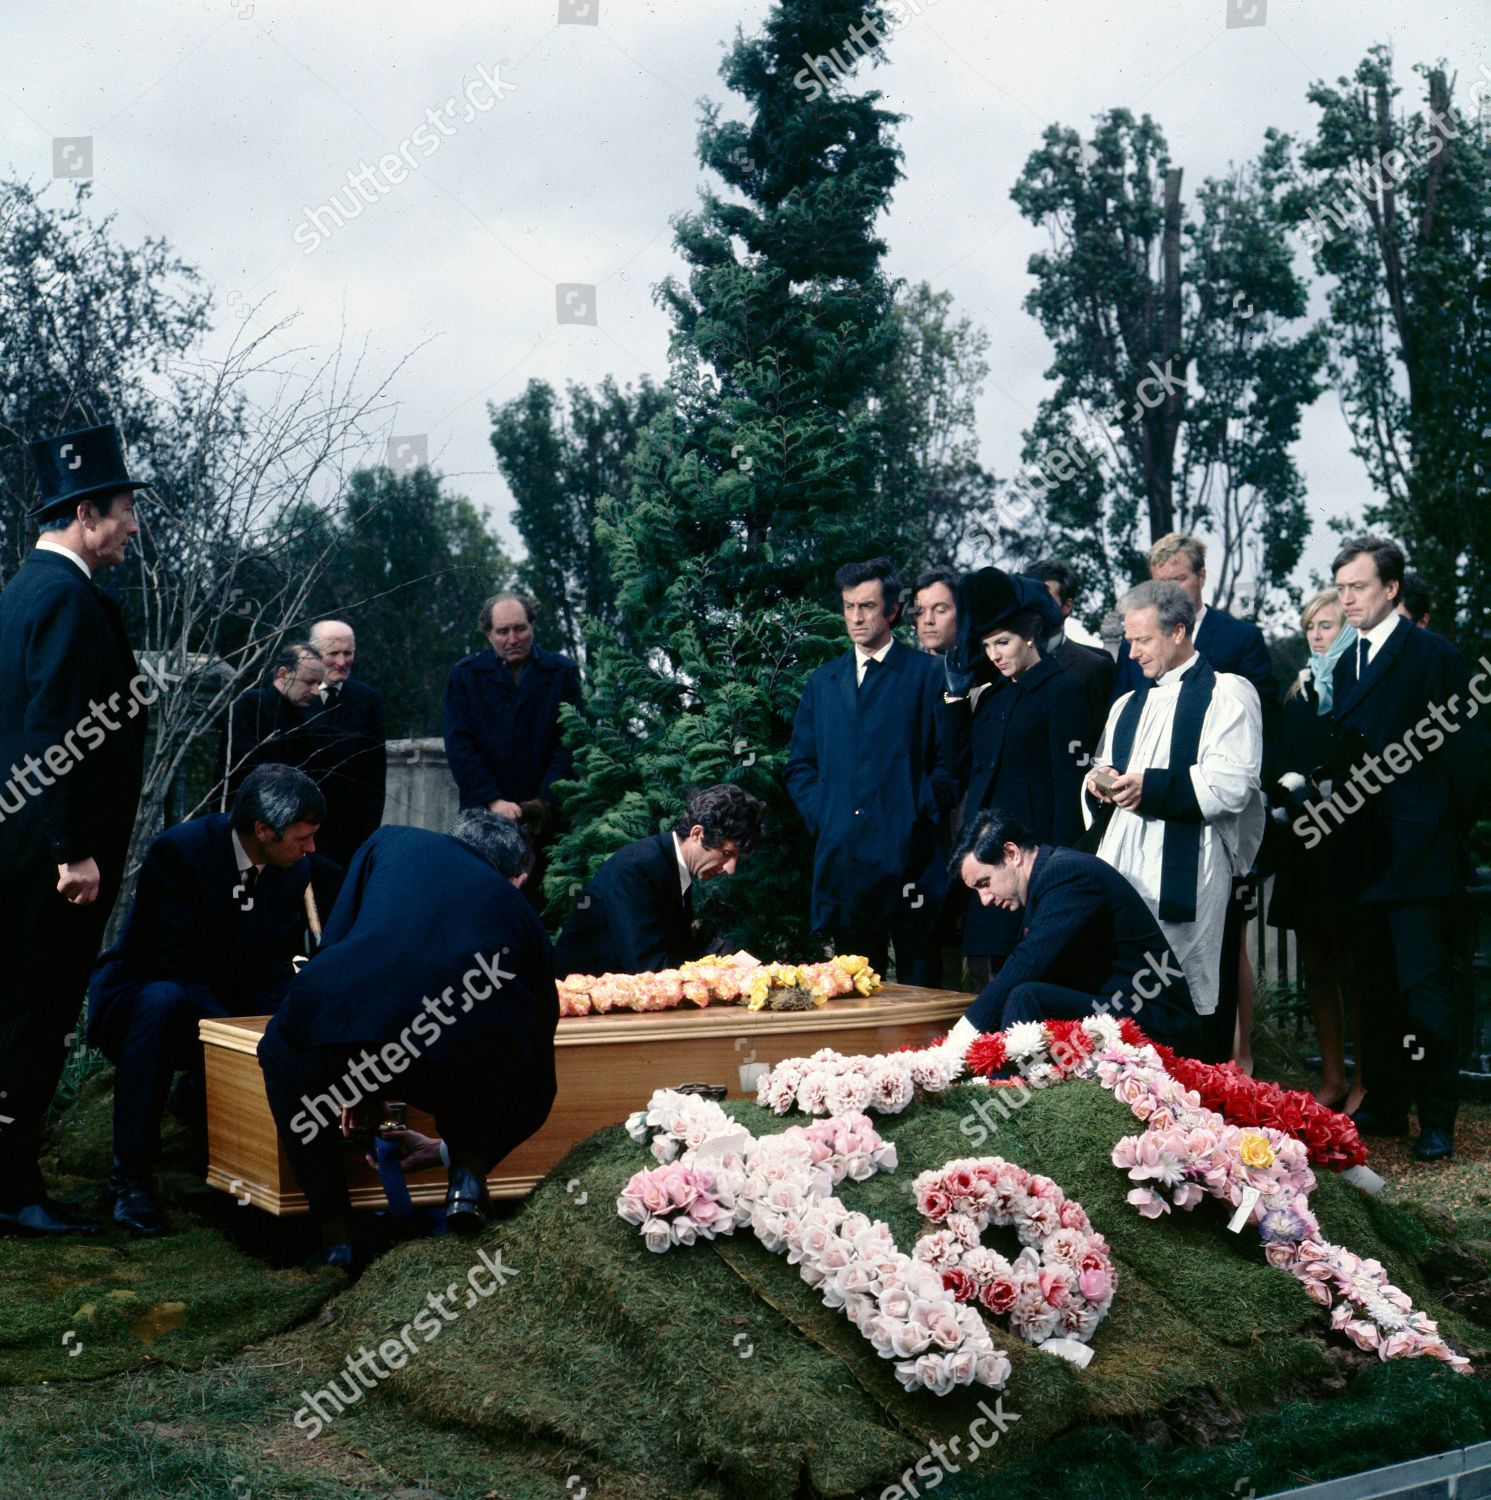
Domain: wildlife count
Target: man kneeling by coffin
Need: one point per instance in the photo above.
(434, 984)
(215, 923)
(1090, 944)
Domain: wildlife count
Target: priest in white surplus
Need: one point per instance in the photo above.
(1175, 785)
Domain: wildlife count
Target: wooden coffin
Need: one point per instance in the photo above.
(607, 1066)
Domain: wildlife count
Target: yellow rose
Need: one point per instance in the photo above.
(851, 963)
(1255, 1151)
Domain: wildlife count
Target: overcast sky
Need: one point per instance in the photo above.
(217, 125)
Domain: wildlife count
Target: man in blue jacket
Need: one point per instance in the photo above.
(502, 734)
(867, 771)
(216, 921)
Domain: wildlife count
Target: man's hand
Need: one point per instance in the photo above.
(78, 882)
(1091, 787)
(506, 809)
(1128, 791)
(416, 1151)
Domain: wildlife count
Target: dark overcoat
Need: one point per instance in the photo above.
(1028, 745)
(1420, 818)
(65, 672)
(632, 917)
(194, 922)
(422, 917)
(504, 741)
(350, 766)
(867, 771)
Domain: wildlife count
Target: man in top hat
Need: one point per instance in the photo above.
(72, 738)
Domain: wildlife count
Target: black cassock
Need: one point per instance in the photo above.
(63, 650)
(350, 766)
(420, 917)
(633, 917)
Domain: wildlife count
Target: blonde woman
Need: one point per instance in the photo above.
(1309, 883)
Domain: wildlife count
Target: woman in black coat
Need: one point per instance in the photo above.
(1311, 889)
(1028, 739)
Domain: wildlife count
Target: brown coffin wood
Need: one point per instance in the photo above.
(607, 1066)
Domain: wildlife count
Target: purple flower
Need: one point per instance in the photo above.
(1281, 1226)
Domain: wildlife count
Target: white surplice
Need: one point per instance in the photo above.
(1226, 778)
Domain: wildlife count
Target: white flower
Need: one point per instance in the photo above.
(1024, 1039)
(636, 1125)
(657, 1236)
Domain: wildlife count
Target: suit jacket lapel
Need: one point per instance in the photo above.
(846, 669)
(1377, 668)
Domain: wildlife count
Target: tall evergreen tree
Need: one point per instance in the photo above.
(1396, 209)
(560, 465)
(759, 479)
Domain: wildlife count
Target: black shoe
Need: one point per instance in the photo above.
(70, 1211)
(465, 1201)
(341, 1256)
(37, 1220)
(135, 1208)
(1372, 1122)
(1434, 1144)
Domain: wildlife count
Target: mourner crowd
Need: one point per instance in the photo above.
(1081, 830)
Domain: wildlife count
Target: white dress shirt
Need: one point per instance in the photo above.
(1377, 636)
(862, 659)
(46, 544)
(685, 880)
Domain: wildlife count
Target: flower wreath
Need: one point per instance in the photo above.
(1061, 1283)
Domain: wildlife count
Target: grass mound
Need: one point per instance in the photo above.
(714, 1371)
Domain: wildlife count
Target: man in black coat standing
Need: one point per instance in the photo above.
(268, 724)
(1404, 696)
(1091, 945)
(215, 923)
(867, 769)
(636, 915)
(72, 736)
(349, 763)
(435, 983)
(1091, 666)
(502, 736)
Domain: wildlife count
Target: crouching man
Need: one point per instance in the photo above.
(1090, 944)
(434, 984)
(215, 923)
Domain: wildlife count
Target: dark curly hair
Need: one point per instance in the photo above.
(728, 814)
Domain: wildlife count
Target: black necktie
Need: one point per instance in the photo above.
(248, 880)
(1361, 658)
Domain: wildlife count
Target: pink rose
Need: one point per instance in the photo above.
(959, 1283)
(1094, 1285)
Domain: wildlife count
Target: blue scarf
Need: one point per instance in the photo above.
(1323, 668)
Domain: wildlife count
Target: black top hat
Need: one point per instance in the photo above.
(74, 465)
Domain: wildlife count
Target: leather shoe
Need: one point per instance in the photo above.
(1434, 1144)
(1370, 1121)
(135, 1208)
(465, 1201)
(70, 1211)
(38, 1220)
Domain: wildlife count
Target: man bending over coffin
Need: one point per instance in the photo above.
(216, 920)
(1090, 945)
(636, 915)
(434, 984)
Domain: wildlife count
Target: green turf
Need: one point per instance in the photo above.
(712, 1371)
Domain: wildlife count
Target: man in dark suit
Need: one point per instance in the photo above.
(72, 737)
(502, 734)
(1229, 644)
(349, 763)
(435, 983)
(215, 923)
(1404, 696)
(267, 725)
(636, 915)
(868, 773)
(1092, 667)
(1090, 946)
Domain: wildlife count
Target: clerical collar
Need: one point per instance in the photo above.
(1176, 673)
(685, 880)
(245, 863)
(46, 544)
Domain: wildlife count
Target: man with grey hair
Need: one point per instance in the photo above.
(434, 984)
(214, 926)
(1175, 789)
(348, 760)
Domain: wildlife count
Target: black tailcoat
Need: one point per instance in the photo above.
(504, 741)
(632, 917)
(868, 773)
(349, 764)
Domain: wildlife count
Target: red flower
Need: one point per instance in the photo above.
(986, 1054)
(999, 1295)
(957, 1281)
